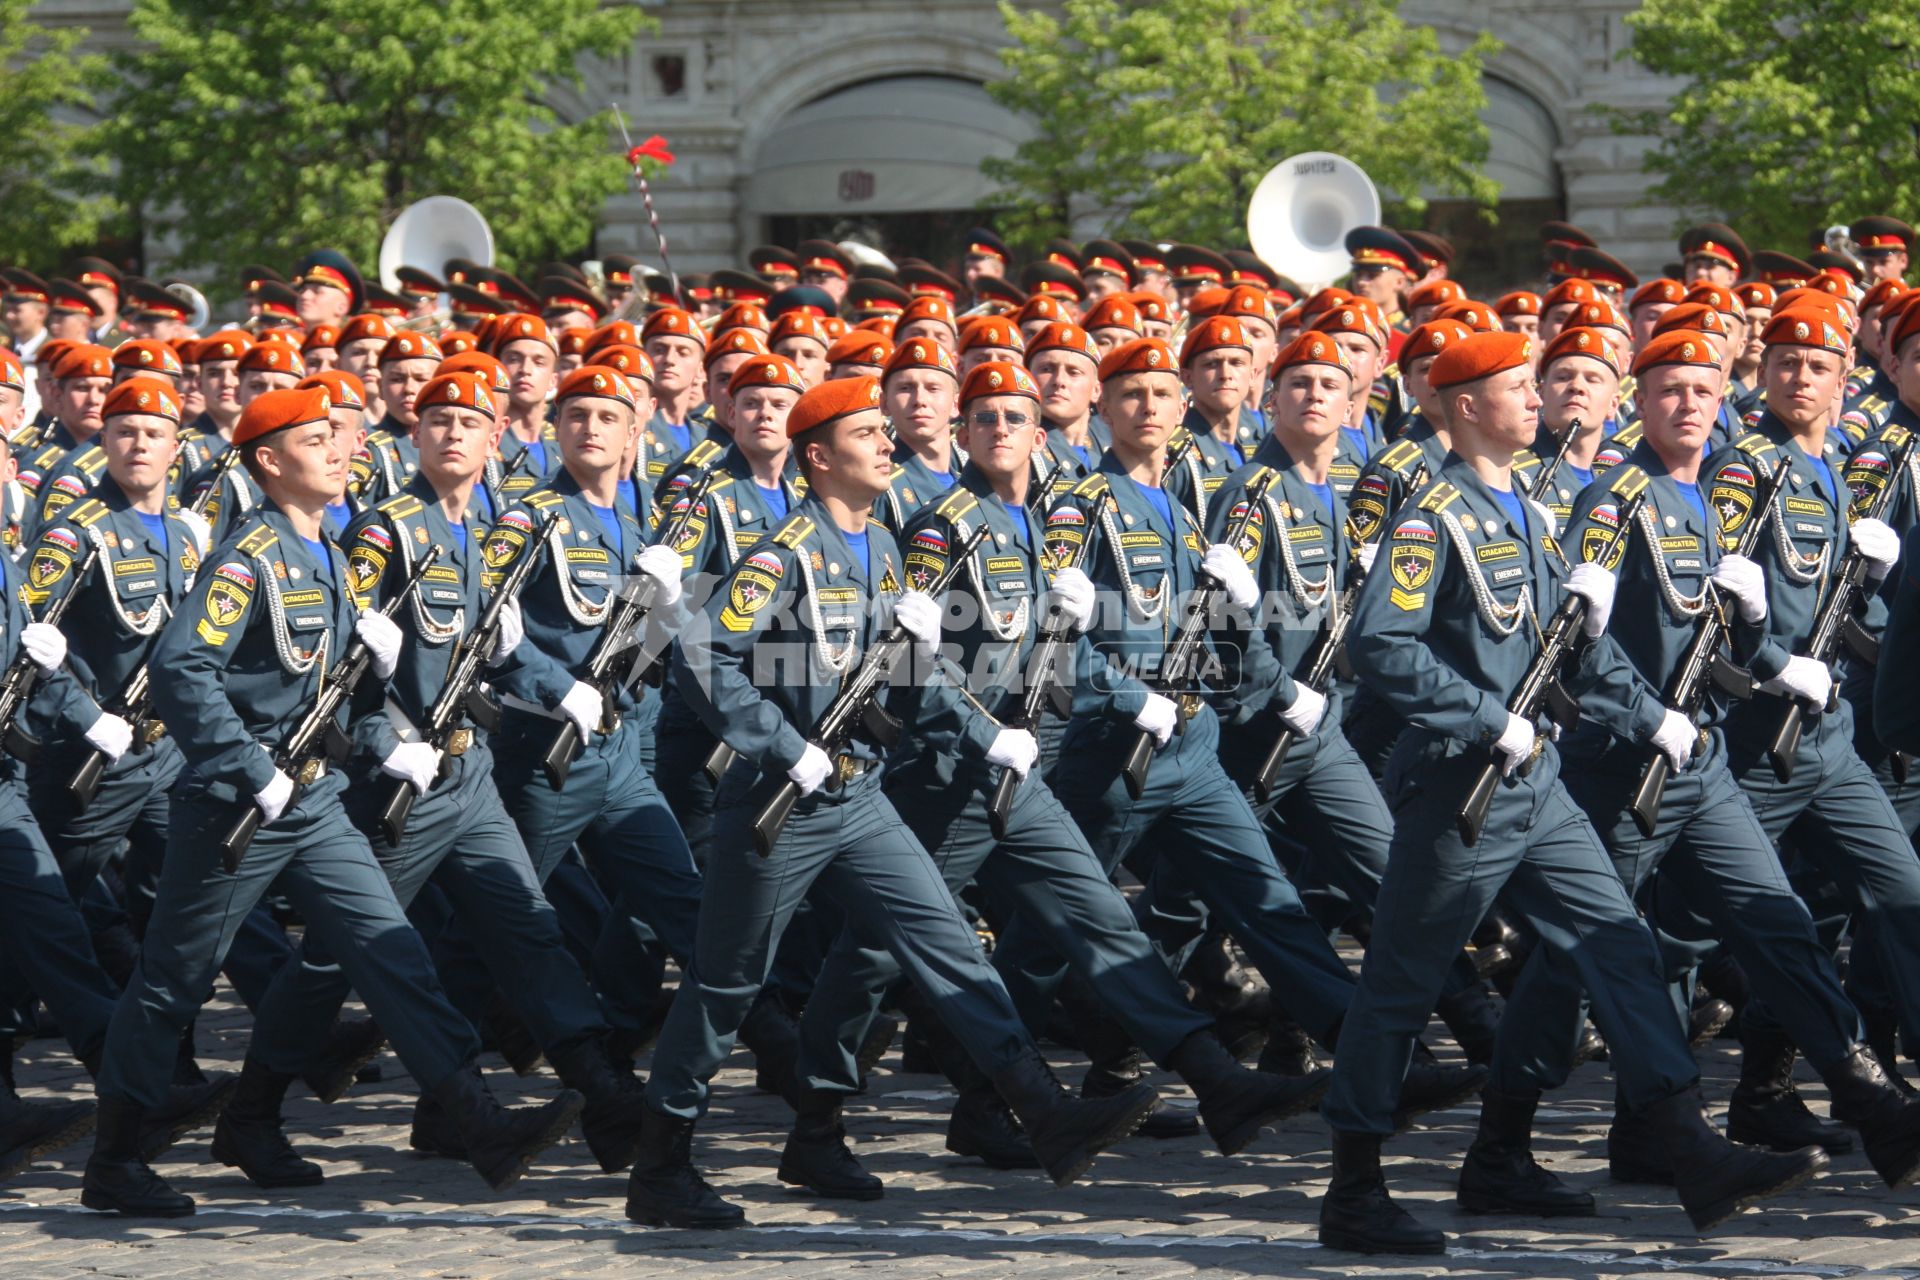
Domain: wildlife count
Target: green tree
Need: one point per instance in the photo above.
(42, 165)
(1794, 114)
(1163, 118)
(252, 130)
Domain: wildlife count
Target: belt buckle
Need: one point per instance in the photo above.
(311, 771)
(846, 770)
(155, 731)
(1189, 705)
(461, 740)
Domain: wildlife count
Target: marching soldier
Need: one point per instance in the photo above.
(921, 387)
(406, 363)
(527, 351)
(1216, 368)
(676, 344)
(1065, 364)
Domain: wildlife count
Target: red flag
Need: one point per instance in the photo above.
(654, 148)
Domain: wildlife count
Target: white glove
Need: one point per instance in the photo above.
(1016, 749)
(1741, 578)
(1158, 717)
(1229, 568)
(810, 771)
(919, 616)
(1676, 737)
(1073, 596)
(1803, 678)
(111, 735)
(1595, 585)
(417, 762)
(197, 524)
(1514, 745)
(45, 645)
(662, 564)
(1303, 715)
(513, 629)
(1546, 517)
(583, 706)
(1369, 552)
(273, 798)
(1878, 543)
(381, 635)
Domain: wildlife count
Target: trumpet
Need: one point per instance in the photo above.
(431, 323)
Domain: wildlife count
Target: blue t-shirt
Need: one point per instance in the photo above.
(1829, 488)
(1023, 526)
(776, 500)
(942, 478)
(628, 496)
(320, 552)
(857, 542)
(1161, 503)
(157, 528)
(1691, 492)
(1357, 437)
(342, 514)
(1233, 450)
(610, 521)
(682, 438)
(1324, 492)
(538, 450)
(1516, 507)
(1086, 459)
(459, 531)
(1583, 474)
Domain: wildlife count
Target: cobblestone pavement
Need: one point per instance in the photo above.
(1148, 1210)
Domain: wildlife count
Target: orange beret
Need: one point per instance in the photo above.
(861, 346)
(732, 342)
(835, 327)
(1805, 327)
(1206, 303)
(85, 360)
(342, 388)
(1436, 293)
(997, 378)
(1598, 314)
(1063, 336)
(921, 353)
(1116, 311)
(1659, 289)
(143, 395)
(1142, 355)
(1151, 306)
(672, 322)
(461, 390)
(1819, 299)
(1832, 281)
(1248, 302)
(1697, 316)
(1213, 334)
(289, 338)
(454, 341)
(615, 333)
(511, 329)
(50, 352)
(481, 363)
(1331, 296)
(1575, 291)
(1712, 295)
(410, 346)
(831, 401)
(573, 341)
(1314, 347)
(1578, 340)
(1881, 294)
(1476, 316)
(273, 411)
(928, 307)
(993, 331)
(1900, 321)
(596, 380)
(1676, 346)
(766, 371)
(12, 373)
(322, 337)
(1041, 306)
(1349, 316)
(1521, 302)
(632, 362)
(744, 315)
(365, 328)
(273, 357)
(146, 354)
(799, 324)
(1430, 339)
(1478, 356)
(881, 324)
(1757, 293)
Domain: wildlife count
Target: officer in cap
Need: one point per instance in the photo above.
(777, 266)
(1106, 269)
(1150, 268)
(1883, 244)
(73, 314)
(24, 309)
(329, 286)
(983, 255)
(824, 265)
(1193, 268)
(106, 283)
(1435, 252)
(1713, 252)
(1385, 266)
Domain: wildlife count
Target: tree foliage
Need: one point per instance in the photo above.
(1794, 114)
(42, 158)
(1161, 119)
(252, 130)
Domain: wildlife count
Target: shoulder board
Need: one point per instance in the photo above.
(1754, 443)
(957, 502)
(703, 454)
(400, 507)
(1439, 496)
(1092, 487)
(1895, 437)
(1626, 479)
(1627, 384)
(541, 498)
(1526, 458)
(258, 539)
(86, 512)
(794, 532)
(1399, 454)
(91, 459)
(378, 439)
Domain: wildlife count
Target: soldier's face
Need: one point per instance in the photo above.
(1527, 324)
(1578, 387)
(973, 357)
(400, 382)
(1678, 405)
(1107, 338)
(1102, 284)
(934, 329)
(595, 433)
(1311, 402)
(530, 369)
(139, 448)
(1702, 266)
(454, 444)
(1067, 384)
(79, 402)
(305, 463)
(1363, 353)
(921, 403)
(676, 362)
(349, 427)
(981, 264)
(13, 410)
(1001, 432)
(319, 303)
(1381, 285)
(831, 282)
(321, 359)
(1260, 336)
(1421, 391)
(358, 357)
(70, 326)
(1886, 266)
(1501, 413)
(220, 384)
(808, 356)
(854, 460)
(1219, 378)
(1644, 317)
(255, 383)
(760, 420)
(719, 373)
(24, 316)
(1802, 383)
(1904, 368)
(1142, 408)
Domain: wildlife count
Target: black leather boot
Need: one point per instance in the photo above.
(502, 1143)
(1111, 1075)
(1358, 1215)
(1501, 1175)
(616, 1100)
(117, 1179)
(1888, 1120)
(983, 1126)
(1716, 1178)
(1708, 1018)
(510, 1036)
(1431, 1085)
(29, 1130)
(188, 1107)
(1235, 1103)
(1883, 1030)
(1289, 1049)
(1238, 998)
(434, 1133)
(1067, 1133)
(1635, 1153)
(817, 1156)
(353, 1044)
(773, 1035)
(874, 1045)
(1767, 1111)
(664, 1189)
(249, 1137)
